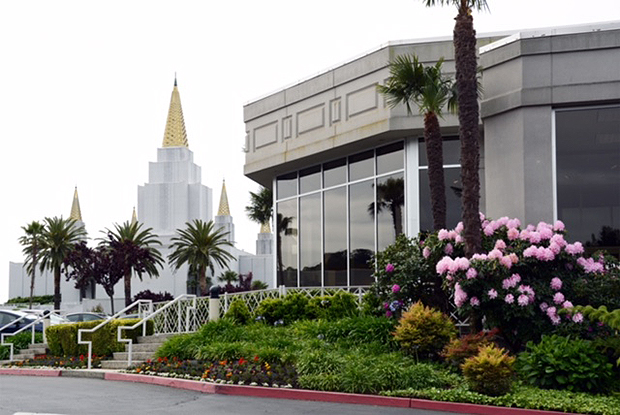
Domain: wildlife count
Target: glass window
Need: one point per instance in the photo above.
(310, 179)
(286, 242)
(334, 173)
(361, 229)
(451, 151)
(335, 239)
(361, 165)
(588, 175)
(452, 179)
(286, 185)
(310, 240)
(390, 158)
(390, 212)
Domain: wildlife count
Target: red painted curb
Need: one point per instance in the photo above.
(311, 395)
(31, 372)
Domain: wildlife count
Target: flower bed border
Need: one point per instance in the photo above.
(283, 393)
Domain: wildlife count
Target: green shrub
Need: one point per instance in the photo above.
(62, 338)
(271, 310)
(423, 331)
(565, 363)
(20, 341)
(372, 304)
(459, 349)
(490, 372)
(294, 307)
(182, 346)
(40, 299)
(238, 312)
(332, 307)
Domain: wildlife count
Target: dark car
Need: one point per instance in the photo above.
(85, 316)
(19, 320)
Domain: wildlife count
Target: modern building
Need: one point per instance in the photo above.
(349, 173)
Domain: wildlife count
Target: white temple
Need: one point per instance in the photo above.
(173, 196)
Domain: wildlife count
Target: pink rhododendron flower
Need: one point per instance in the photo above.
(452, 234)
(389, 268)
(474, 302)
(500, 244)
(523, 300)
(460, 296)
(459, 227)
(530, 251)
(516, 278)
(488, 230)
(426, 252)
(495, 254)
(443, 265)
(551, 312)
(448, 249)
(578, 318)
(471, 273)
(574, 249)
(443, 234)
(513, 233)
(567, 304)
(482, 217)
(559, 239)
(462, 263)
(535, 237)
(458, 239)
(482, 257)
(555, 320)
(528, 291)
(513, 223)
(514, 258)
(524, 235)
(544, 307)
(509, 299)
(492, 294)
(555, 248)
(558, 298)
(395, 288)
(558, 226)
(530, 228)
(545, 254)
(590, 266)
(556, 284)
(545, 233)
(506, 261)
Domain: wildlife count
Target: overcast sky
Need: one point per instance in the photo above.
(87, 84)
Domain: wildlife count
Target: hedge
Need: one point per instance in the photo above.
(62, 338)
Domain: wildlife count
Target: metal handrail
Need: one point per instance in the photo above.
(31, 325)
(103, 323)
(176, 301)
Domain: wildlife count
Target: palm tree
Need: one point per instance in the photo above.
(466, 84)
(410, 81)
(201, 246)
(260, 209)
(391, 196)
(59, 236)
(229, 277)
(133, 250)
(33, 243)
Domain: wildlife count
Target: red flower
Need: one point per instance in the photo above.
(242, 361)
(256, 358)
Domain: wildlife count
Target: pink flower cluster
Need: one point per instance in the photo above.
(511, 282)
(451, 266)
(460, 296)
(590, 266)
(556, 284)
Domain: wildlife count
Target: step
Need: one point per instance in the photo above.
(34, 350)
(144, 347)
(156, 338)
(134, 355)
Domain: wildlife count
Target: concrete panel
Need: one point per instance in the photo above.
(310, 119)
(362, 100)
(266, 134)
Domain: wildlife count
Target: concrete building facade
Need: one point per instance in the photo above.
(332, 150)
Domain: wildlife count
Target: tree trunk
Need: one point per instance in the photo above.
(202, 281)
(57, 288)
(34, 270)
(112, 303)
(127, 280)
(466, 82)
(436, 181)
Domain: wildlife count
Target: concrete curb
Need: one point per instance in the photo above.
(281, 393)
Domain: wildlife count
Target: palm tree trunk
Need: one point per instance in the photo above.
(34, 270)
(57, 287)
(127, 280)
(436, 182)
(466, 72)
(202, 281)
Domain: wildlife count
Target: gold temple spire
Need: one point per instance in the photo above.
(224, 209)
(134, 217)
(265, 227)
(175, 134)
(76, 213)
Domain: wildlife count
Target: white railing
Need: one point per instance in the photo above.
(32, 326)
(180, 312)
(145, 307)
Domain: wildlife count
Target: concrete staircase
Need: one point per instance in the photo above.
(29, 353)
(143, 350)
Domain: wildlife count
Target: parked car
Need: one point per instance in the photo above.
(9, 316)
(54, 318)
(85, 316)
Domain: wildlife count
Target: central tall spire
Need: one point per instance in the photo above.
(175, 134)
(76, 213)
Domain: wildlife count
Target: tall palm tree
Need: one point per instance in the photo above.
(32, 242)
(466, 84)
(201, 246)
(229, 277)
(260, 208)
(134, 251)
(410, 81)
(59, 236)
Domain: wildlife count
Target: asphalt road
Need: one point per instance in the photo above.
(79, 396)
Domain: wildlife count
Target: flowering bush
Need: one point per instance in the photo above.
(521, 280)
